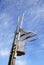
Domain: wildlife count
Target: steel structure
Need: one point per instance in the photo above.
(18, 48)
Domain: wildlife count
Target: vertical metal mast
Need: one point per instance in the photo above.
(12, 53)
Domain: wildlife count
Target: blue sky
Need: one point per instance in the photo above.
(33, 21)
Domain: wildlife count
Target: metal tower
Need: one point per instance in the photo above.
(17, 45)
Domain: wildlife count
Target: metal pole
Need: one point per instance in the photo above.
(12, 53)
(15, 50)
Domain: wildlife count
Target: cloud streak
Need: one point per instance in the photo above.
(4, 52)
(21, 62)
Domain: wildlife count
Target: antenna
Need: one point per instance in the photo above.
(22, 20)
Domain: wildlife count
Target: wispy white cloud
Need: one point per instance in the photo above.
(21, 62)
(4, 52)
(5, 20)
(35, 16)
